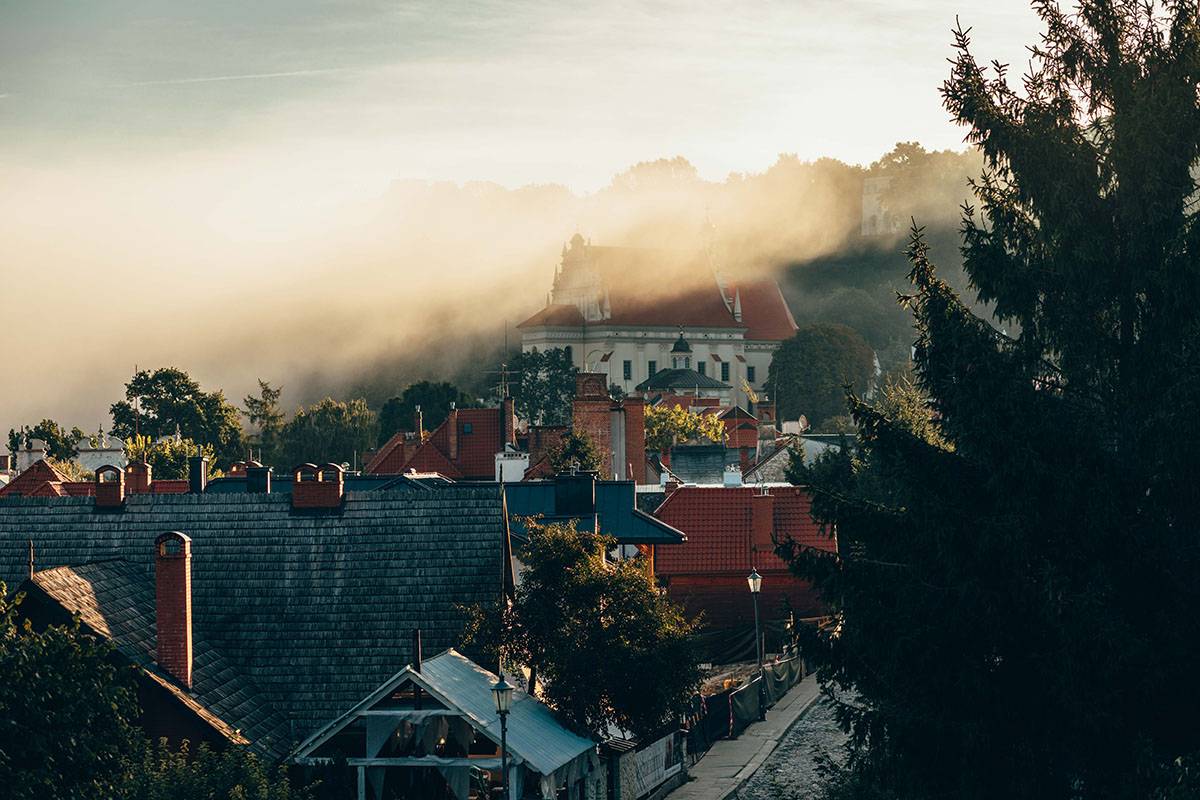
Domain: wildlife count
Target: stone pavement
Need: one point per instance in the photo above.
(729, 763)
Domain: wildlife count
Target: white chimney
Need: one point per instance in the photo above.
(733, 475)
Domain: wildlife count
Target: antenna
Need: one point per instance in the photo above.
(136, 410)
(31, 559)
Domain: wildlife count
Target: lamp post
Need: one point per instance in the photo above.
(502, 691)
(755, 581)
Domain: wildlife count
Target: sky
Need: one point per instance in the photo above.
(155, 154)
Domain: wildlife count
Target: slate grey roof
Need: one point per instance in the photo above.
(315, 610)
(116, 600)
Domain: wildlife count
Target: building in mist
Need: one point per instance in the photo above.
(619, 310)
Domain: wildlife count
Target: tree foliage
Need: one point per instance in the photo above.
(435, 400)
(330, 431)
(169, 402)
(67, 711)
(265, 413)
(607, 646)
(574, 451)
(810, 372)
(1017, 558)
(544, 386)
(667, 426)
(167, 457)
(60, 442)
(161, 772)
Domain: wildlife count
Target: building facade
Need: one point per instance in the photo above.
(600, 311)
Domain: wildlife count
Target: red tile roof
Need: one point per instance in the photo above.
(556, 314)
(31, 480)
(476, 456)
(693, 300)
(717, 522)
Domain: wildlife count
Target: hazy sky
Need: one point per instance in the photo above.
(159, 156)
(353, 93)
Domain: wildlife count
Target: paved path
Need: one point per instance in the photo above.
(729, 763)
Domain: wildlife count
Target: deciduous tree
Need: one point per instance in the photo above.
(330, 431)
(810, 372)
(544, 386)
(667, 426)
(169, 401)
(607, 646)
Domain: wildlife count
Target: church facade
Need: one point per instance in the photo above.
(620, 310)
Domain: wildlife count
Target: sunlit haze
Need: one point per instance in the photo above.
(213, 184)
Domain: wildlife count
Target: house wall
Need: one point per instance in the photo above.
(643, 345)
(725, 600)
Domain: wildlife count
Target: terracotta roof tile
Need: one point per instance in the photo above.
(717, 522)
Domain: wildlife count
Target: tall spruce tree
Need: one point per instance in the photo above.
(1017, 586)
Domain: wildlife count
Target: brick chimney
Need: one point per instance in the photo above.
(173, 605)
(508, 419)
(138, 475)
(762, 523)
(317, 487)
(110, 487)
(635, 438)
(452, 432)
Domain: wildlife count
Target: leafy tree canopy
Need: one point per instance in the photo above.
(434, 398)
(67, 712)
(60, 442)
(330, 431)
(574, 451)
(810, 372)
(544, 386)
(593, 631)
(1017, 551)
(170, 402)
(667, 426)
(168, 458)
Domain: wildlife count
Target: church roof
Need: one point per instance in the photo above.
(679, 379)
(690, 296)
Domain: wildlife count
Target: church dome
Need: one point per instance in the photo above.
(681, 345)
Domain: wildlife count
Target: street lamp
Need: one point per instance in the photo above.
(755, 581)
(502, 691)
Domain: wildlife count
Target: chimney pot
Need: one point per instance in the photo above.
(173, 605)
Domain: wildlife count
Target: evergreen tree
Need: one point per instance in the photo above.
(1015, 582)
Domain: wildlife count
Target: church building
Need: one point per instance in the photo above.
(619, 311)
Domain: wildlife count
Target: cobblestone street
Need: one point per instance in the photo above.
(790, 772)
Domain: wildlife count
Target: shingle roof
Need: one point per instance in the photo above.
(314, 609)
(29, 481)
(717, 522)
(116, 600)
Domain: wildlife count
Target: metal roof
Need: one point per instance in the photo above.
(679, 379)
(534, 733)
(615, 512)
(535, 736)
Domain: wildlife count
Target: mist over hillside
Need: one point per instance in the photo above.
(421, 282)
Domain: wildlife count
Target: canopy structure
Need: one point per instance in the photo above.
(440, 725)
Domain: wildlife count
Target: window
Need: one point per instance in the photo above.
(651, 369)
(467, 428)
(725, 371)
(627, 369)
(749, 374)
(701, 367)
(567, 350)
